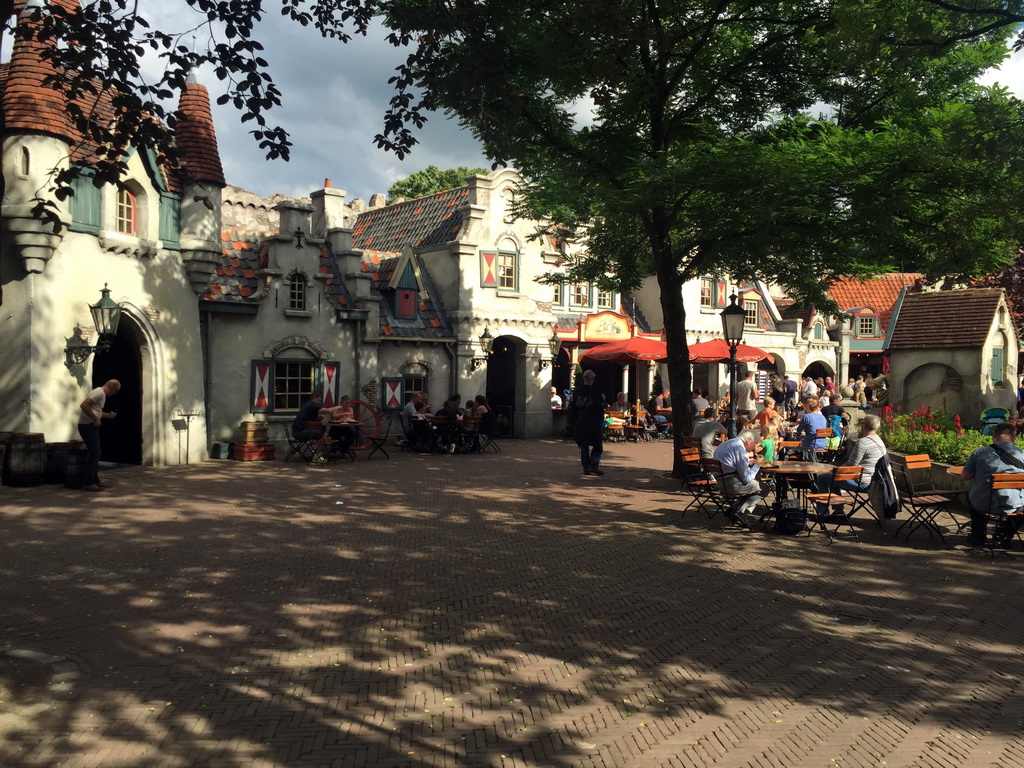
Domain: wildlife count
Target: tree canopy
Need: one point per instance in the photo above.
(430, 180)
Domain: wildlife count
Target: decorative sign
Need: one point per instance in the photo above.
(261, 387)
(488, 273)
(605, 326)
(330, 385)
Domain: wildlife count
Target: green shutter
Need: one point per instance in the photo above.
(85, 203)
(997, 366)
(170, 220)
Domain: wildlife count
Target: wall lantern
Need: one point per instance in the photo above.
(105, 318)
(554, 346)
(486, 342)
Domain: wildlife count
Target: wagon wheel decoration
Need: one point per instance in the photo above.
(367, 426)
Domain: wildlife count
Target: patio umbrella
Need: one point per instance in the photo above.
(626, 351)
(717, 351)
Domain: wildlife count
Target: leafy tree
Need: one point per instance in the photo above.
(430, 180)
(793, 141)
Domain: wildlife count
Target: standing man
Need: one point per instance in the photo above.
(89, 421)
(746, 398)
(1002, 456)
(588, 403)
(789, 387)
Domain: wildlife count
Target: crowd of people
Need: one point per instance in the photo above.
(460, 429)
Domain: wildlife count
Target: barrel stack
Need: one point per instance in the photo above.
(253, 444)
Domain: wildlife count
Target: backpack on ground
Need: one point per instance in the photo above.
(790, 519)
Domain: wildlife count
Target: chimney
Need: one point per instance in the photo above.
(328, 209)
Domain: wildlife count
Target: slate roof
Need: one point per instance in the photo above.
(235, 279)
(880, 293)
(943, 319)
(431, 321)
(432, 220)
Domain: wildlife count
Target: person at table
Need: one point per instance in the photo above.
(409, 411)
(420, 432)
(708, 430)
(344, 434)
(488, 418)
(769, 439)
(455, 426)
(588, 404)
(1002, 456)
(739, 473)
(866, 453)
(700, 403)
(311, 411)
(809, 424)
(768, 415)
(620, 404)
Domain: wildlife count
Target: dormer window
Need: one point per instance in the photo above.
(867, 326)
(751, 309)
(126, 219)
(819, 332)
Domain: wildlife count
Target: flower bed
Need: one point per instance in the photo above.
(939, 435)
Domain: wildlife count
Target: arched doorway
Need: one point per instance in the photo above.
(121, 437)
(503, 373)
(819, 369)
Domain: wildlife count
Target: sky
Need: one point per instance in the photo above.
(334, 98)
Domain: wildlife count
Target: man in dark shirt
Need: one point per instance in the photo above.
(588, 403)
(311, 411)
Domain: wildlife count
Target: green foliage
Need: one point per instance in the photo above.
(940, 435)
(430, 180)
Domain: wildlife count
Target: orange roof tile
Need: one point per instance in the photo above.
(879, 293)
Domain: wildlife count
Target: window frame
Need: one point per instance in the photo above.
(297, 293)
(609, 303)
(408, 378)
(580, 289)
(510, 271)
(126, 212)
(323, 376)
(872, 332)
(751, 306)
(707, 291)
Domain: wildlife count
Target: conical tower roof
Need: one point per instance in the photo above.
(195, 136)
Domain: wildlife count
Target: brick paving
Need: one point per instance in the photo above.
(496, 610)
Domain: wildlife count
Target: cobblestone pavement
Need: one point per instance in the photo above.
(496, 610)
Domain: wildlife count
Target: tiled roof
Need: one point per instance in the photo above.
(235, 277)
(790, 310)
(431, 220)
(430, 320)
(195, 137)
(879, 293)
(28, 104)
(334, 285)
(941, 319)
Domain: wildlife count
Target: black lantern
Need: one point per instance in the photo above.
(555, 345)
(486, 342)
(106, 315)
(732, 329)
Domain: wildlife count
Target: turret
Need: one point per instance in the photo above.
(196, 141)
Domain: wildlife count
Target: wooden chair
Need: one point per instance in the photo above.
(827, 434)
(834, 499)
(1003, 481)
(321, 446)
(724, 501)
(696, 482)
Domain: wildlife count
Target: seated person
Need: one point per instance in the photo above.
(488, 418)
(419, 426)
(619, 404)
(768, 415)
(739, 473)
(344, 434)
(809, 425)
(700, 402)
(708, 430)
(311, 411)
(866, 453)
(1002, 456)
(769, 439)
(410, 410)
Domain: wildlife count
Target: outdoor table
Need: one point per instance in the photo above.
(784, 469)
(955, 471)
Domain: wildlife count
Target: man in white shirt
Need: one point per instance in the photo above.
(89, 421)
(739, 473)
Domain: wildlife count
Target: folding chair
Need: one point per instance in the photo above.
(378, 441)
(827, 434)
(834, 498)
(723, 501)
(924, 508)
(296, 447)
(921, 482)
(1003, 481)
(320, 446)
(695, 481)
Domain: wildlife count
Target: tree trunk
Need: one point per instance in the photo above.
(680, 379)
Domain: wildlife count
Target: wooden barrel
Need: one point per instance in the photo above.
(74, 465)
(253, 432)
(56, 458)
(25, 461)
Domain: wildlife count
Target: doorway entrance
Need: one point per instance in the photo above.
(502, 374)
(121, 437)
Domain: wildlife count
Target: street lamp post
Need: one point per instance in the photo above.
(732, 329)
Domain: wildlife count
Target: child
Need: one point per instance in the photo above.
(769, 437)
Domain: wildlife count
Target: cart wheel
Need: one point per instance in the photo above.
(368, 426)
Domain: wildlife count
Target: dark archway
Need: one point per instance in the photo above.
(503, 365)
(819, 369)
(121, 437)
